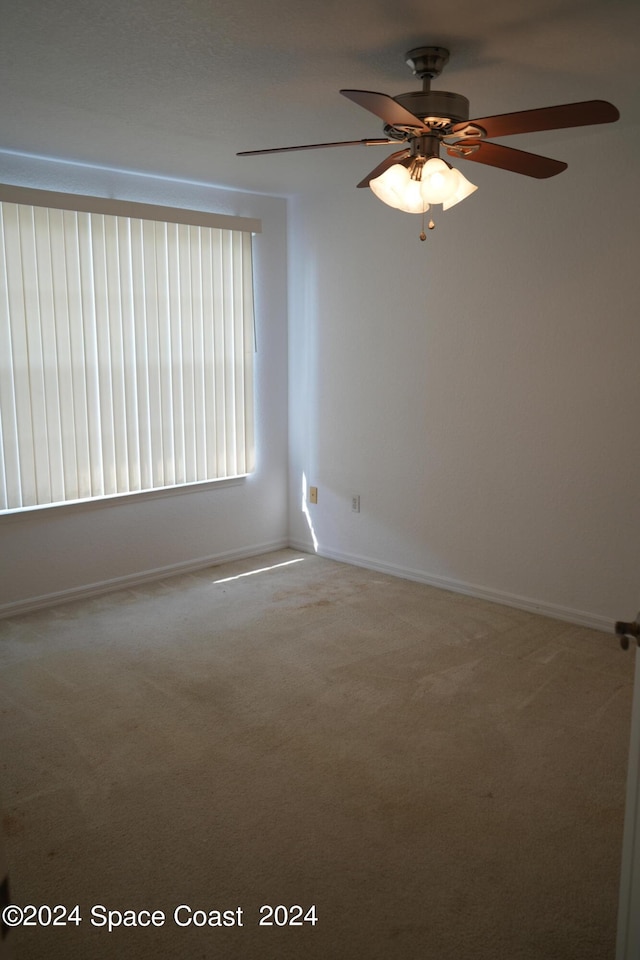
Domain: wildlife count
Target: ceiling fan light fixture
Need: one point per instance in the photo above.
(414, 185)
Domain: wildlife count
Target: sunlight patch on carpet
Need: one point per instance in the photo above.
(251, 573)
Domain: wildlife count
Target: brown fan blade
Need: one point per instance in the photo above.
(380, 169)
(384, 107)
(545, 118)
(518, 161)
(317, 146)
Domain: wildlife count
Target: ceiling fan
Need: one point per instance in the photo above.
(414, 177)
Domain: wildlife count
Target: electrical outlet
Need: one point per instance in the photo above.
(355, 503)
(313, 494)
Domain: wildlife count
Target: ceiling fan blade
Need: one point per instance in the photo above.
(545, 118)
(380, 169)
(518, 161)
(384, 107)
(317, 146)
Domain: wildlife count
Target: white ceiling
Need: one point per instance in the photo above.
(176, 87)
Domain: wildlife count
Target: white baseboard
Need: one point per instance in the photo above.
(578, 617)
(556, 612)
(31, 604)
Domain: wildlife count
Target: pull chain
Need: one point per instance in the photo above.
(423, 235)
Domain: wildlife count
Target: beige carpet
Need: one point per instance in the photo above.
(443, 778)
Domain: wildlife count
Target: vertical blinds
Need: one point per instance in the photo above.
(126, 354)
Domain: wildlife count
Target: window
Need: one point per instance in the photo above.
(126, 348)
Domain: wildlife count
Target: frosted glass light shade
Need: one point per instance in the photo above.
(464, 188)
(437, 182)
(396, 188)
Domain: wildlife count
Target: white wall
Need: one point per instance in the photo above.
(479, 390)
(58, 552)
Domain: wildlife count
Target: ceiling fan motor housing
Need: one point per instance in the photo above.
(436, 108)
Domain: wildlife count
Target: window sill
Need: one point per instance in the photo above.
(117, 499)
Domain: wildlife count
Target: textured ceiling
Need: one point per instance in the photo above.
(176, 88)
